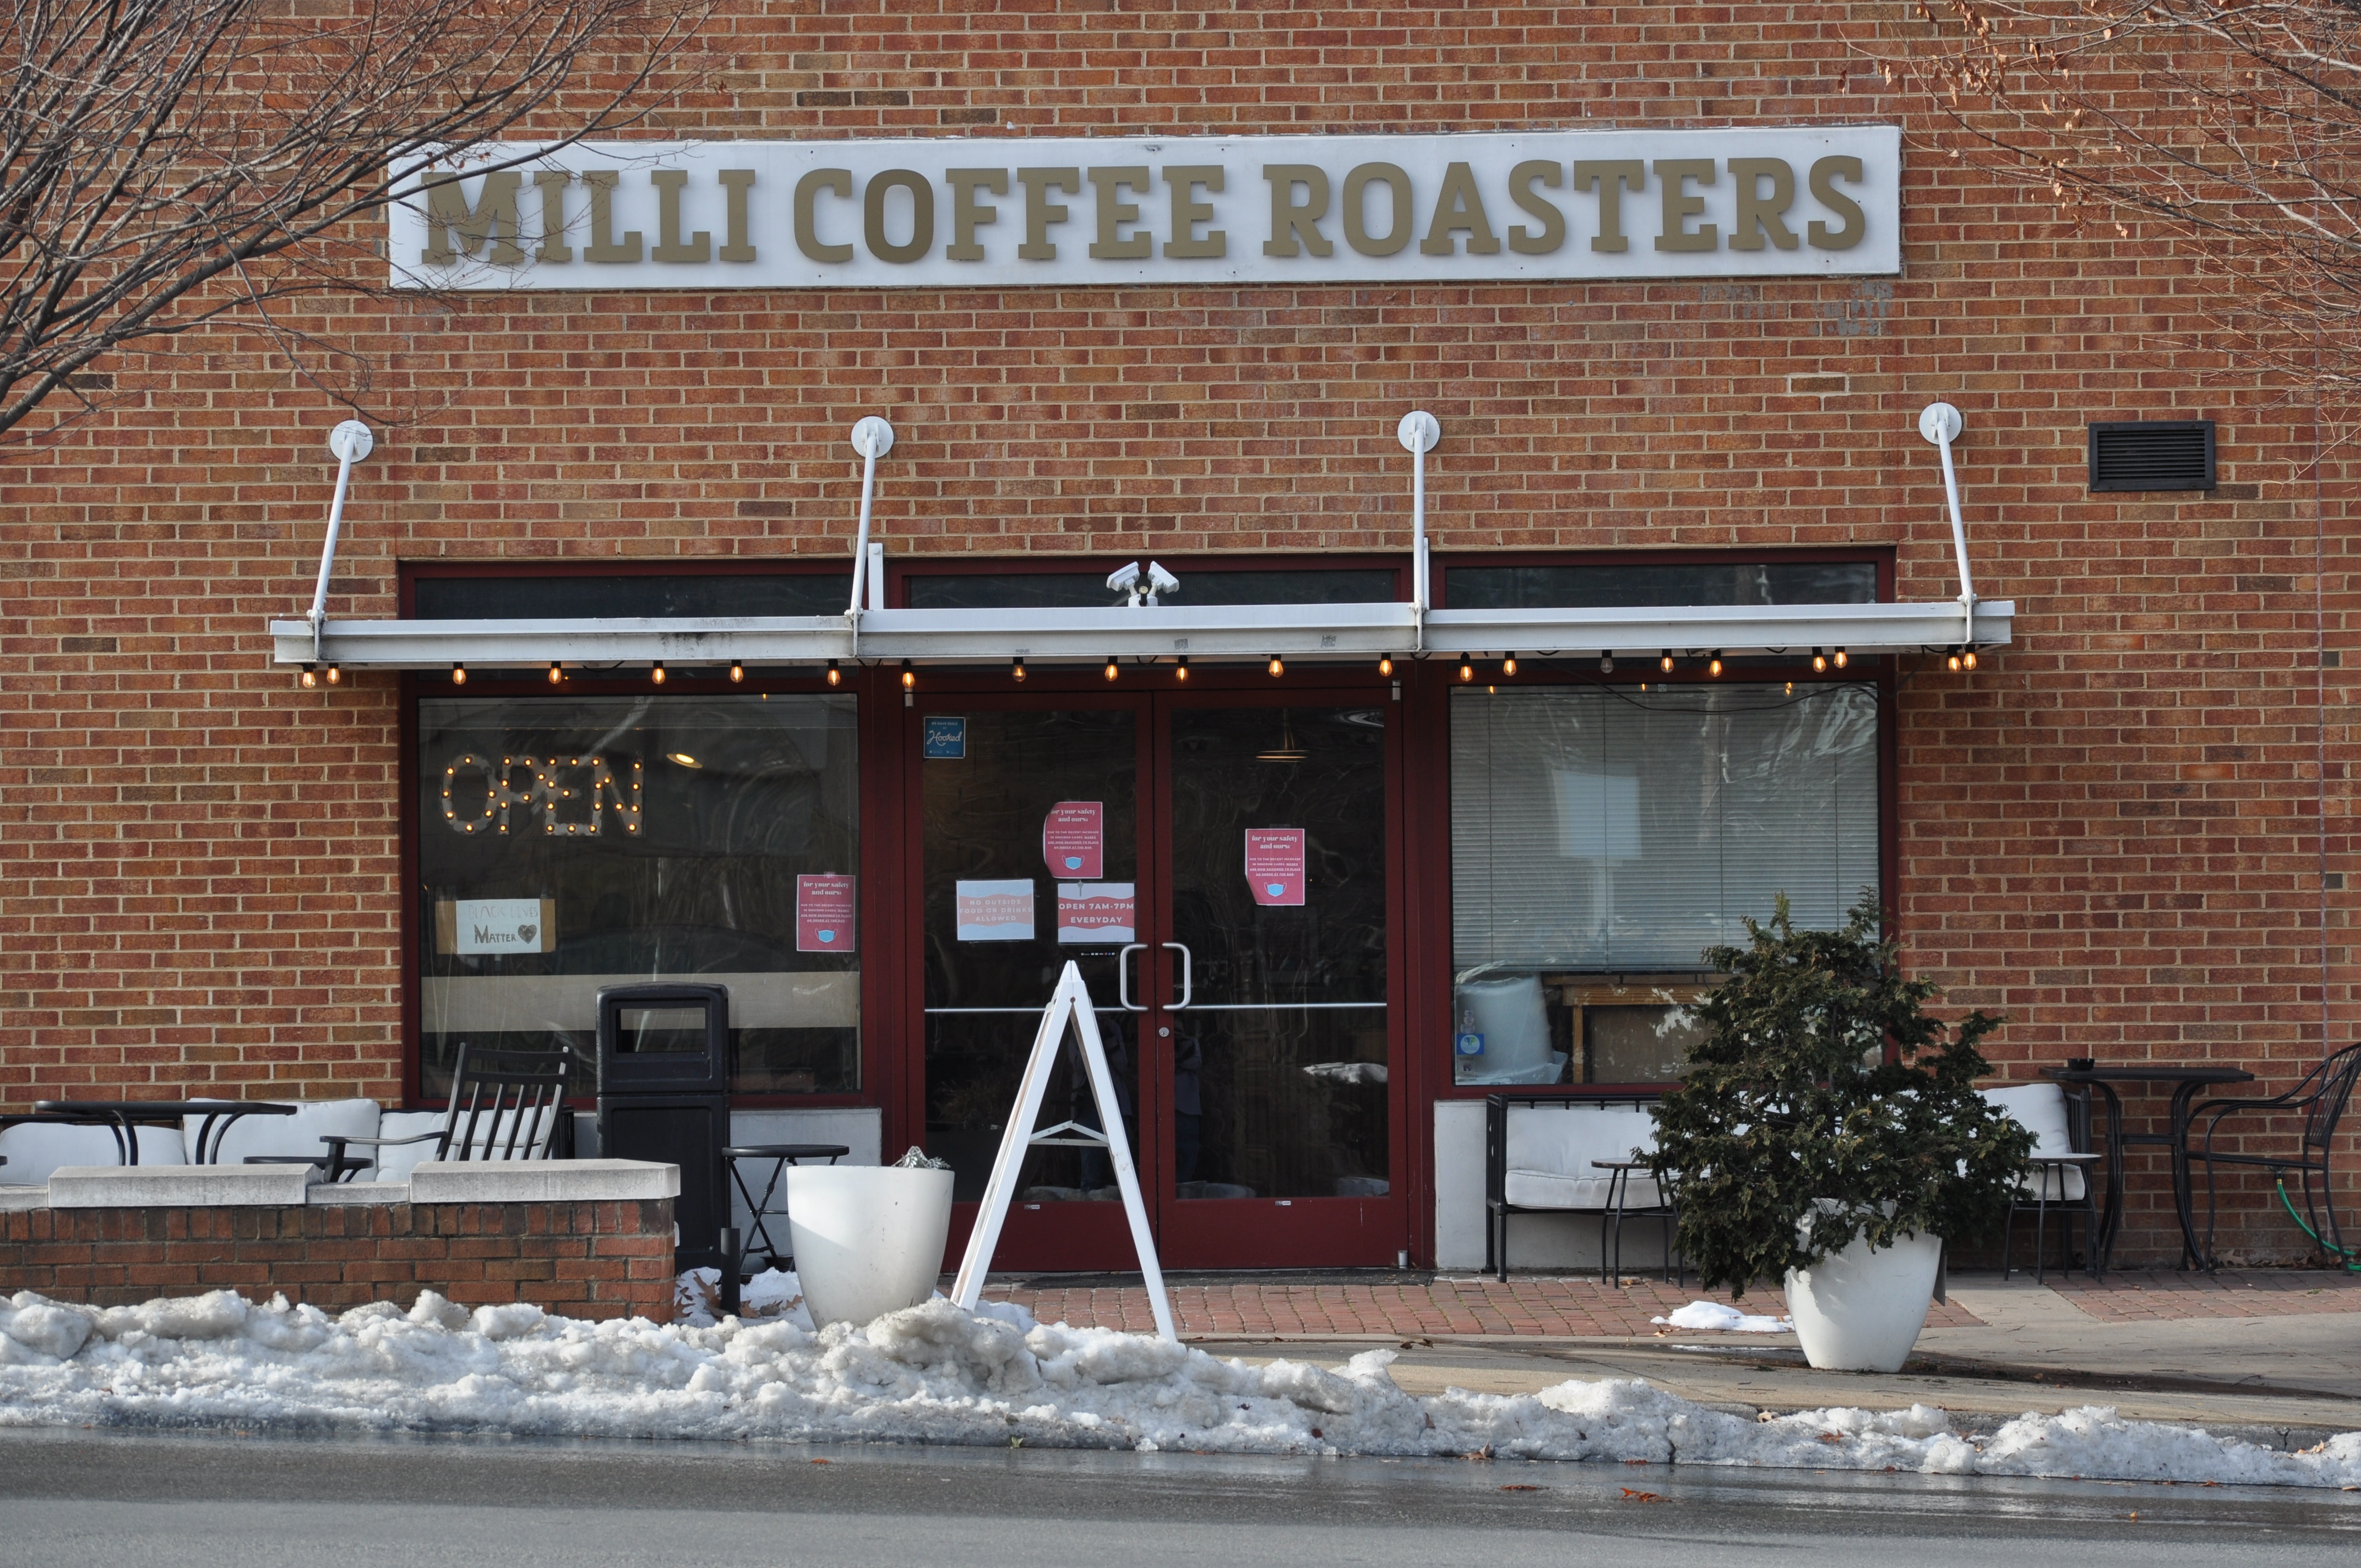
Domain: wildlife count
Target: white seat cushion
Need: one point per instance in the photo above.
(2040, 1109)
(297, 1135)
(1552, 1189)
(1566, 1138)
(34, 1149)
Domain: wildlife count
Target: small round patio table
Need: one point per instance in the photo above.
(781, 1155)
(2186, 1079)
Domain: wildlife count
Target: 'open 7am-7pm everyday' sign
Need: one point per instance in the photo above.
(1002, 212)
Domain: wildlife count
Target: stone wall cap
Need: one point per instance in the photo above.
(16, 1200)
(542, 1180)
(179, 1186)
(331, 1194)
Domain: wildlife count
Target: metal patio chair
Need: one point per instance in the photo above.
(517, 1100)
(2322, 1096)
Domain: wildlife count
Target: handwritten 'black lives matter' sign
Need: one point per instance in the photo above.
(1014, 212)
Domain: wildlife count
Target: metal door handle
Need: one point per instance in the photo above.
(1188, 972)
(1122, 975)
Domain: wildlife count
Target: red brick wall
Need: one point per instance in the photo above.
(2116, 832)
(581, 1260)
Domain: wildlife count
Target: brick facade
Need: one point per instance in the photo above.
(2126, 832)
(582, 1260)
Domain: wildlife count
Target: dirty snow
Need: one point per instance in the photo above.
(1714, 1315)
(772, 1294)
(936, 1373)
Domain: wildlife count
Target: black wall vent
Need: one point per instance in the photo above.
(2153, 454)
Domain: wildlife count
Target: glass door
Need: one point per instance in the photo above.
(1274, 1012)
(1029, 856)
(1220, 866)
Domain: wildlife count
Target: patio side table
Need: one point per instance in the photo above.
(2186, 1079)
(758, 1210)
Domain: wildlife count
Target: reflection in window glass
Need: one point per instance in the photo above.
(1609, 586)
(1070, 590)
(571, 843)
(1603, 838)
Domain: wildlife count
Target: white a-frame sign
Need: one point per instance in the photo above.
(1070, 1005)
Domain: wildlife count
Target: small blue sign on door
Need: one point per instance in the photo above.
(1467, 1044)
(946, 738)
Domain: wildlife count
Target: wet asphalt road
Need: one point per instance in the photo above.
(87, 1498)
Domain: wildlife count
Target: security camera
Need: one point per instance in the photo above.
(1122, 578)
(1160, 581)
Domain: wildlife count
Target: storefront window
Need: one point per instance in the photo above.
(1603, 837)
(570, 843)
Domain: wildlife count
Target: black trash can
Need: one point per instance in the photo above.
(664, 1094)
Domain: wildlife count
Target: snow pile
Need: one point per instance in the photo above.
(1714, 1315)
(773, 1293)
(936, 1373)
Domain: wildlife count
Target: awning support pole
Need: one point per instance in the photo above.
(1940, 423)
(873, 438)
(1418, 432)
(349, 442)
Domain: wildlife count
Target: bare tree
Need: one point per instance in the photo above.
(168, 165)
(2232, 126)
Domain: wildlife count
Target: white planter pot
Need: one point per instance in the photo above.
(868, 1239)
(1862, 1311)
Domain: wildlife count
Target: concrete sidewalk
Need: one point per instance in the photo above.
(2271, 1354)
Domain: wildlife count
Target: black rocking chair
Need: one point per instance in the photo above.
(2321, 1097)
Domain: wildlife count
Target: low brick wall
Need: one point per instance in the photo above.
(607, 1259)
(587, 1238)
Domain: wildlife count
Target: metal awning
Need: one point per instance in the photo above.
(866, 633)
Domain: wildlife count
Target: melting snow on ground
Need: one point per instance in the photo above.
(936, 1373)
(1714, 1315)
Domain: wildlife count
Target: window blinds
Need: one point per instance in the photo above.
(1622, 830)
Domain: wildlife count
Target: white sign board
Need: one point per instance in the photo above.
(1739, 201)
(480, 926)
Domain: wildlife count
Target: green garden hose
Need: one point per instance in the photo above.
(2348, 1257)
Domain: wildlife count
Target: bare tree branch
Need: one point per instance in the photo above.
(2234, 127)
(168, 165)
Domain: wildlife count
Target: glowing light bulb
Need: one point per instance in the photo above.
(1820, 663)
(1466, 669)
(1181, 668)
(1113, 669)
(555, 675)
(1952, 663)
(910, 676)
(737, 673)
(335, 675)
(1385, 664)
(1841, 660)
(1016, 670)
(1509, 664)
(1277, 665)
(1665, 661)
(1968, 658)
(309, 679)
(1713, 665)
(458, 675)
(835, 676)
(657, 675)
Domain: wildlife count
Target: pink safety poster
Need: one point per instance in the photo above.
(1275, 865)
(1092, 912)
(1073, 839)
(824, 914)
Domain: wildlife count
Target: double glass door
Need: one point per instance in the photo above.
(1219, 865)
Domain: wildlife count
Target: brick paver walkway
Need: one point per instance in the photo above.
(2250, 1293)
(1462, 1305)
(1454, 1305)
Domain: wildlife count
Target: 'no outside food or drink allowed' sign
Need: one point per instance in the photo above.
(993, 911)
(824, 914)
(1275, 865)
